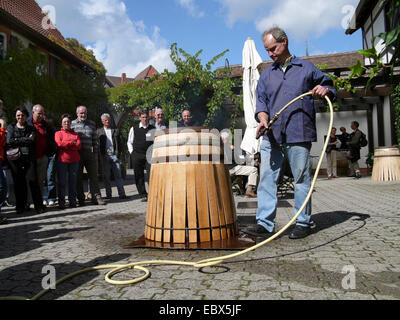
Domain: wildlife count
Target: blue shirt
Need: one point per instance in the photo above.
(276, 88)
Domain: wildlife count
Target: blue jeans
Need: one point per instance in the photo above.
(3, 185)
(49, 191)
(64, 171)
(112, 163)
(271, 162)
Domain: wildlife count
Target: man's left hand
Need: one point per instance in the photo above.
(320, 92)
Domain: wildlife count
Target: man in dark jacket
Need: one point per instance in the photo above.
(110, 152)
(139, 140)
(354, 153)
(45, 145)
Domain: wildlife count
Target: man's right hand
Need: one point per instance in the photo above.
(263, 117)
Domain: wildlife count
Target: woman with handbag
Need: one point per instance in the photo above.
(69, 144)
(21, 159)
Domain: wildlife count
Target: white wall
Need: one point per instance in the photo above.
(340, 119)
(378, 27)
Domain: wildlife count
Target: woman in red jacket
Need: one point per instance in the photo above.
(69, 144)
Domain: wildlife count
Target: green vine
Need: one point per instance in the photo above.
(192, 86)
(24, 78)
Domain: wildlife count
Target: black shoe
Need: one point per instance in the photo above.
(258, 231)
(82, 203)
(61, 206)
(40, 210)
(3, 220)
(357, 175)
(300, 232)
(72, 205)
(123, 197)
(144, 199)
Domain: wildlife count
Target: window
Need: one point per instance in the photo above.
(3, 46)
(53, 66)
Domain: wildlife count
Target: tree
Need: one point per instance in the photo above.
(192, 86)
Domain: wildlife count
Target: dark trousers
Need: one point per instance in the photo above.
(140, 163)
(89, 161)
(3, 184)
(23, 171)
(67, 171)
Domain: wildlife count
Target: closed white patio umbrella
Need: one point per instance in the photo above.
(251, 60)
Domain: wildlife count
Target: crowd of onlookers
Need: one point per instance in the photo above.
(50, 164)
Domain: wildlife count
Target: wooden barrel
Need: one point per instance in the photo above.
(190, 193)
(386, 164)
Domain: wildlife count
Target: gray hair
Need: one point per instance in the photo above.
(77, 108)
(276, 32)
(36, 107)
(105, 115)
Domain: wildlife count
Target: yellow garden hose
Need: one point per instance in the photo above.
(203, 263)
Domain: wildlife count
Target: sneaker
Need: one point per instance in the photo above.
(99, 201)
(3, 220)
(258, 231)
(144, 199)
(357, 175)
(7, 204)
(44, 202)
(51, 203)
(300, 232)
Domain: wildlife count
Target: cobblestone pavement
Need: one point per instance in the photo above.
(353, 253)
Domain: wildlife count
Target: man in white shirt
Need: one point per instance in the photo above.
(110, 150)
(139, 140)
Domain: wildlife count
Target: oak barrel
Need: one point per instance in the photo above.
(190, 193)
(386, 164)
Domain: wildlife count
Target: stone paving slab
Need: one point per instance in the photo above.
(353, 253)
